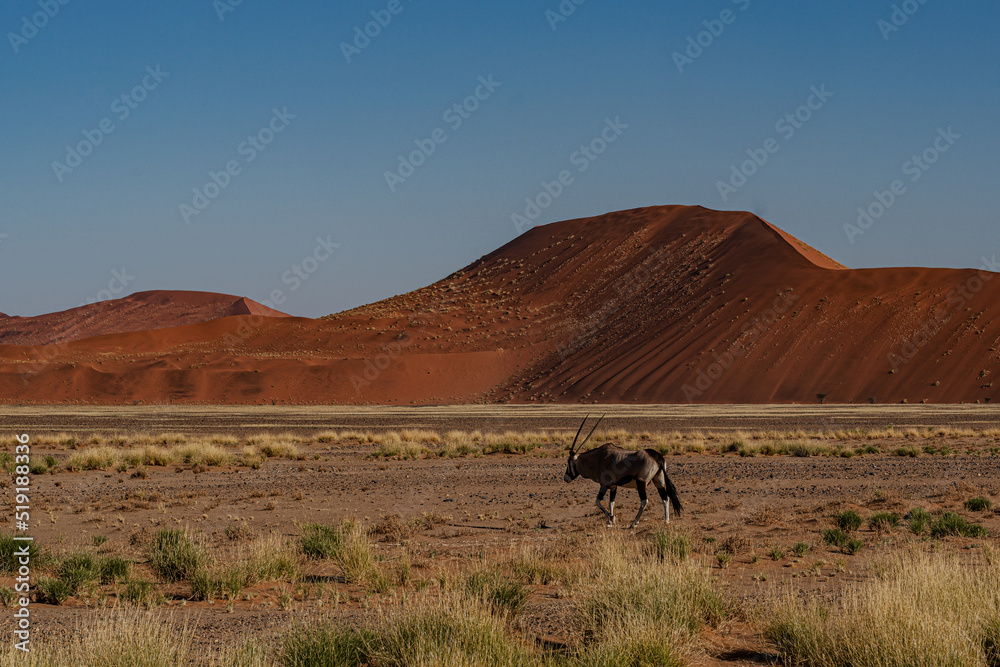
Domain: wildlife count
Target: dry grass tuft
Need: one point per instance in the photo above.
(125, 637)
(919, 609)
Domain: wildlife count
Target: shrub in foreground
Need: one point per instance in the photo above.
(174, 556)
(919, 609)
(951, 524)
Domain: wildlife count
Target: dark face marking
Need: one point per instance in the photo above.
(571, 471)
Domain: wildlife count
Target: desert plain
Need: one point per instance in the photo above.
(468, 503)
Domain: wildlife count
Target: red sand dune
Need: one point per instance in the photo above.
(138, 312)
(654, 305)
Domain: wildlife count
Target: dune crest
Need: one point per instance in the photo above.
(666, 304)
(142, 311)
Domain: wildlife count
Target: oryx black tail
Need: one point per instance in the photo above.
(675, 502)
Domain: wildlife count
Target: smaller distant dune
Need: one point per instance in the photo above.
(142, 311)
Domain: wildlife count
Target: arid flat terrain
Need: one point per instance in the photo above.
(754, 482)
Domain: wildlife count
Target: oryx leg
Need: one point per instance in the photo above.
(614, 490)
(663, 496)
(600, 497)
(640, 486)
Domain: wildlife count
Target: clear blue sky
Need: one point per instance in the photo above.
(323, 175)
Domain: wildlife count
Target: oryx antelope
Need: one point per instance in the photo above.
(611, 467)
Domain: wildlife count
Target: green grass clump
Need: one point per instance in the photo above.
(174, 556)
(142, 592)
(951, 524)
(8, 550)
(800, 549)
(321, 541)
(496, 590)
(346, 544)
(978, 504)
(112, 569)
(777, 553)
(453, 629)
(640, 606)
(853, 546)
(672, 545)
(78, 570)
(835, 537)
(883, 521)
(917, 520)
(53, 590)
(38, 466)
(326, 645)
(848, 521)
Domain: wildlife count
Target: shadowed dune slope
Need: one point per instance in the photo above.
(653, 305)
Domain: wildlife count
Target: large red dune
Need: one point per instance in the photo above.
(655, 305)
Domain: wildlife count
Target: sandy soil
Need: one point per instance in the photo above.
(502, 502)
